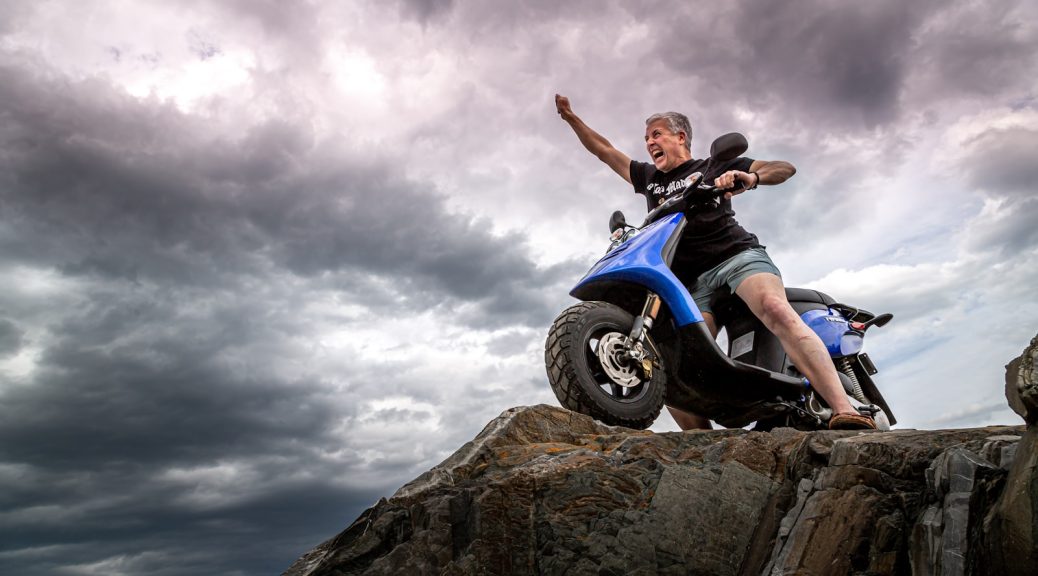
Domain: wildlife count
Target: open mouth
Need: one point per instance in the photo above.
(657, 154)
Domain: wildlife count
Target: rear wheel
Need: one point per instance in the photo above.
(585, 356)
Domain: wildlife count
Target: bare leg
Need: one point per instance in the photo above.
(766, 297)
(711, 324)
(690, 420)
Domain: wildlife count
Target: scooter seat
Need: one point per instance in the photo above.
(807, 295)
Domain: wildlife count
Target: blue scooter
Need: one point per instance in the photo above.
(637, 340)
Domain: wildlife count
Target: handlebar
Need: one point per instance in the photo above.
(697, 192)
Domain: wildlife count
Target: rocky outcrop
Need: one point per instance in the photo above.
(1022, 383)
(1011, 528)
(546, 491)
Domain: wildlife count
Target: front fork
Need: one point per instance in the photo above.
(636, 341)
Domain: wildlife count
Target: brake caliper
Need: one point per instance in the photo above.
(647, 368)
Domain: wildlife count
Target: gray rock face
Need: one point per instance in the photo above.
(1022, 383)
(546, 491)
(1011, 526)
(962, 485)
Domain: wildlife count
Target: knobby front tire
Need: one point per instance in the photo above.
(578, 377)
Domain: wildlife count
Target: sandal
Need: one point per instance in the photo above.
(848, 421)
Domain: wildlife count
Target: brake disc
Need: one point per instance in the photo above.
(611, 351)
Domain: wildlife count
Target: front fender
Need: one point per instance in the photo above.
(644, 261)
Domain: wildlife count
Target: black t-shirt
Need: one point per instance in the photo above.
(712, 234)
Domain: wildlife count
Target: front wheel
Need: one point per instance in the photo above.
(589, 371)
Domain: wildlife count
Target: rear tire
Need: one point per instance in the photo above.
(610, 393)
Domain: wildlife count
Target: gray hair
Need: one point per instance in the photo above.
(676, 122)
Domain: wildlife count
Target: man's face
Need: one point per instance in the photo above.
(666, 148)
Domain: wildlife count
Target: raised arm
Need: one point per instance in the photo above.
(593, 141)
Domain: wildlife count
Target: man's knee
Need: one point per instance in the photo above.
(776, 313)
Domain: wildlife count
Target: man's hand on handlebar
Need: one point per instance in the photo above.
(738, 180)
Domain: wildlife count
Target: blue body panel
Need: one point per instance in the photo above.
(834, 331)
(640, 261)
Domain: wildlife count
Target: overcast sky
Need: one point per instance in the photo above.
(265, 261)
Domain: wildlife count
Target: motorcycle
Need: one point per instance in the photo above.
(638, 340)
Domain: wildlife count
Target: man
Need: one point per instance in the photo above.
(716, 252)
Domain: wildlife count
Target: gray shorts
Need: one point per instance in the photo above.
(731, 273)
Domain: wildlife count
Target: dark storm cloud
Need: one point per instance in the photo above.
(1011, 232)
(425, 10)
(150, 532)
(1001, 161)
(128, 392)
(99, 184)
(10, 337)
(979, 48)
(839, 67)
(176, 237)
(142, 383)
(122, 392)
(836, 63)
